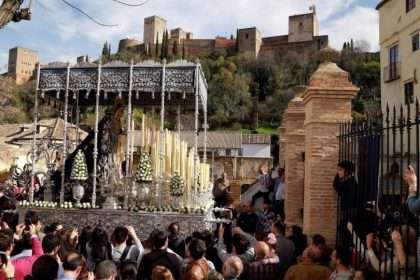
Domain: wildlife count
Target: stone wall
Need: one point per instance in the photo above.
(239, 168)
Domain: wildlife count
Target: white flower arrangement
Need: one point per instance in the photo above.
(177, 185)
(144, 168)
(49, 204)
(79, 170)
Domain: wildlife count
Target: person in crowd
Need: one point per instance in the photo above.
(23, 266)
(247, 220)
(106, 270)
(319, 241)
(175, 242)
(404, 248)
(51, 247)
(120, 250)
(68, 242)
(263, 186)
(32, 217)
(211, 251)
(295, 234)
(271, 257)
(85, 274)
(161, 273)
(351, 198)
(232, 268)
(72, 266)
(22, 247)
(84, 238)
(127, 270)
(285, 247)
(53, 228)
(214, 275)
(221, 190)
(394, 189)
(265, 218)
(308, 269)
(98, 248)
(188, 260)
(256, 269)
(159, 256)
(242, 245)
(45, 268)
(341, 261)
(197, 267)
(279, 191)
(413, 200)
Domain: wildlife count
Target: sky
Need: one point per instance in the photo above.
(59, 32)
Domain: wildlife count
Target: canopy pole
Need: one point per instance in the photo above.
(127, 176)
(95, 144)
(64, 147)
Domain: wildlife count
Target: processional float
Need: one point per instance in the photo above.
(147, 85)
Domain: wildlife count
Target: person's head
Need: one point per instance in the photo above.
(173, 229)
(72, 264)
(394, 169)
(33, 218)
(119, 111)
(261, 249)
(278, 228)
(161, 273)
(53, 228)
(240, 244)
(148, 243)
(45, 268)
(214, 275)
(247, 207)
(197, 249)
(160, 240)
(344, 168)
(128, 270)
(120, 235)
(312, 252)
(6, 241)
(106, 270)
(224, 175)
(232, 267)
(297, 231)
(261, 169)
(341, 256)
(50, 244)
(271, 241)
(266, 204)
(318, 239)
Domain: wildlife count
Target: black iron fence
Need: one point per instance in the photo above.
(373, 217)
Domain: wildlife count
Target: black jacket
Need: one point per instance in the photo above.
(155, 258)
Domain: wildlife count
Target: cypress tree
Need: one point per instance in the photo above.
(183, 50)
(109, 51)
(105, 49)
(162, 47)
(351, 44)
(237, 42)
(166, 43)
(157, 45)
(149, 49)
(175, 48)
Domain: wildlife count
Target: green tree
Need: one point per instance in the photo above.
(175, 48)
(157, 45)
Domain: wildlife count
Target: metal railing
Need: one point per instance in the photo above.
(392, 72)
(373, 218)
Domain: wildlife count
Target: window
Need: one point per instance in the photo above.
(246, 36)
(409, 93)
(393, 59)
(410, 4)
(228, 152)
(416, 42)
(300, 23)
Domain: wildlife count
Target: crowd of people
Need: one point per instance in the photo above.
(249, 244)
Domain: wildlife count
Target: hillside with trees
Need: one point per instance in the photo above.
(245, 92)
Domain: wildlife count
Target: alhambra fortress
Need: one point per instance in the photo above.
(302, 38)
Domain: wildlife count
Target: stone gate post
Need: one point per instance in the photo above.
(327, 103)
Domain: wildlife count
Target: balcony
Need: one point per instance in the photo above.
(392, 72)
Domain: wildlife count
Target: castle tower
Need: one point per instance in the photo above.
(249, 40)
(303, 27)
(153, 26)
(22, 62)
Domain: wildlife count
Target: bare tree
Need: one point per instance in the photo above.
(361, 45)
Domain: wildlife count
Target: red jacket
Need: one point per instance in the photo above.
(23, 266)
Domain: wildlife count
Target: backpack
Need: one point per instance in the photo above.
(123, 255)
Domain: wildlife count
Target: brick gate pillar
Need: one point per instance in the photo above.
(327, 102)
(293, 120)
